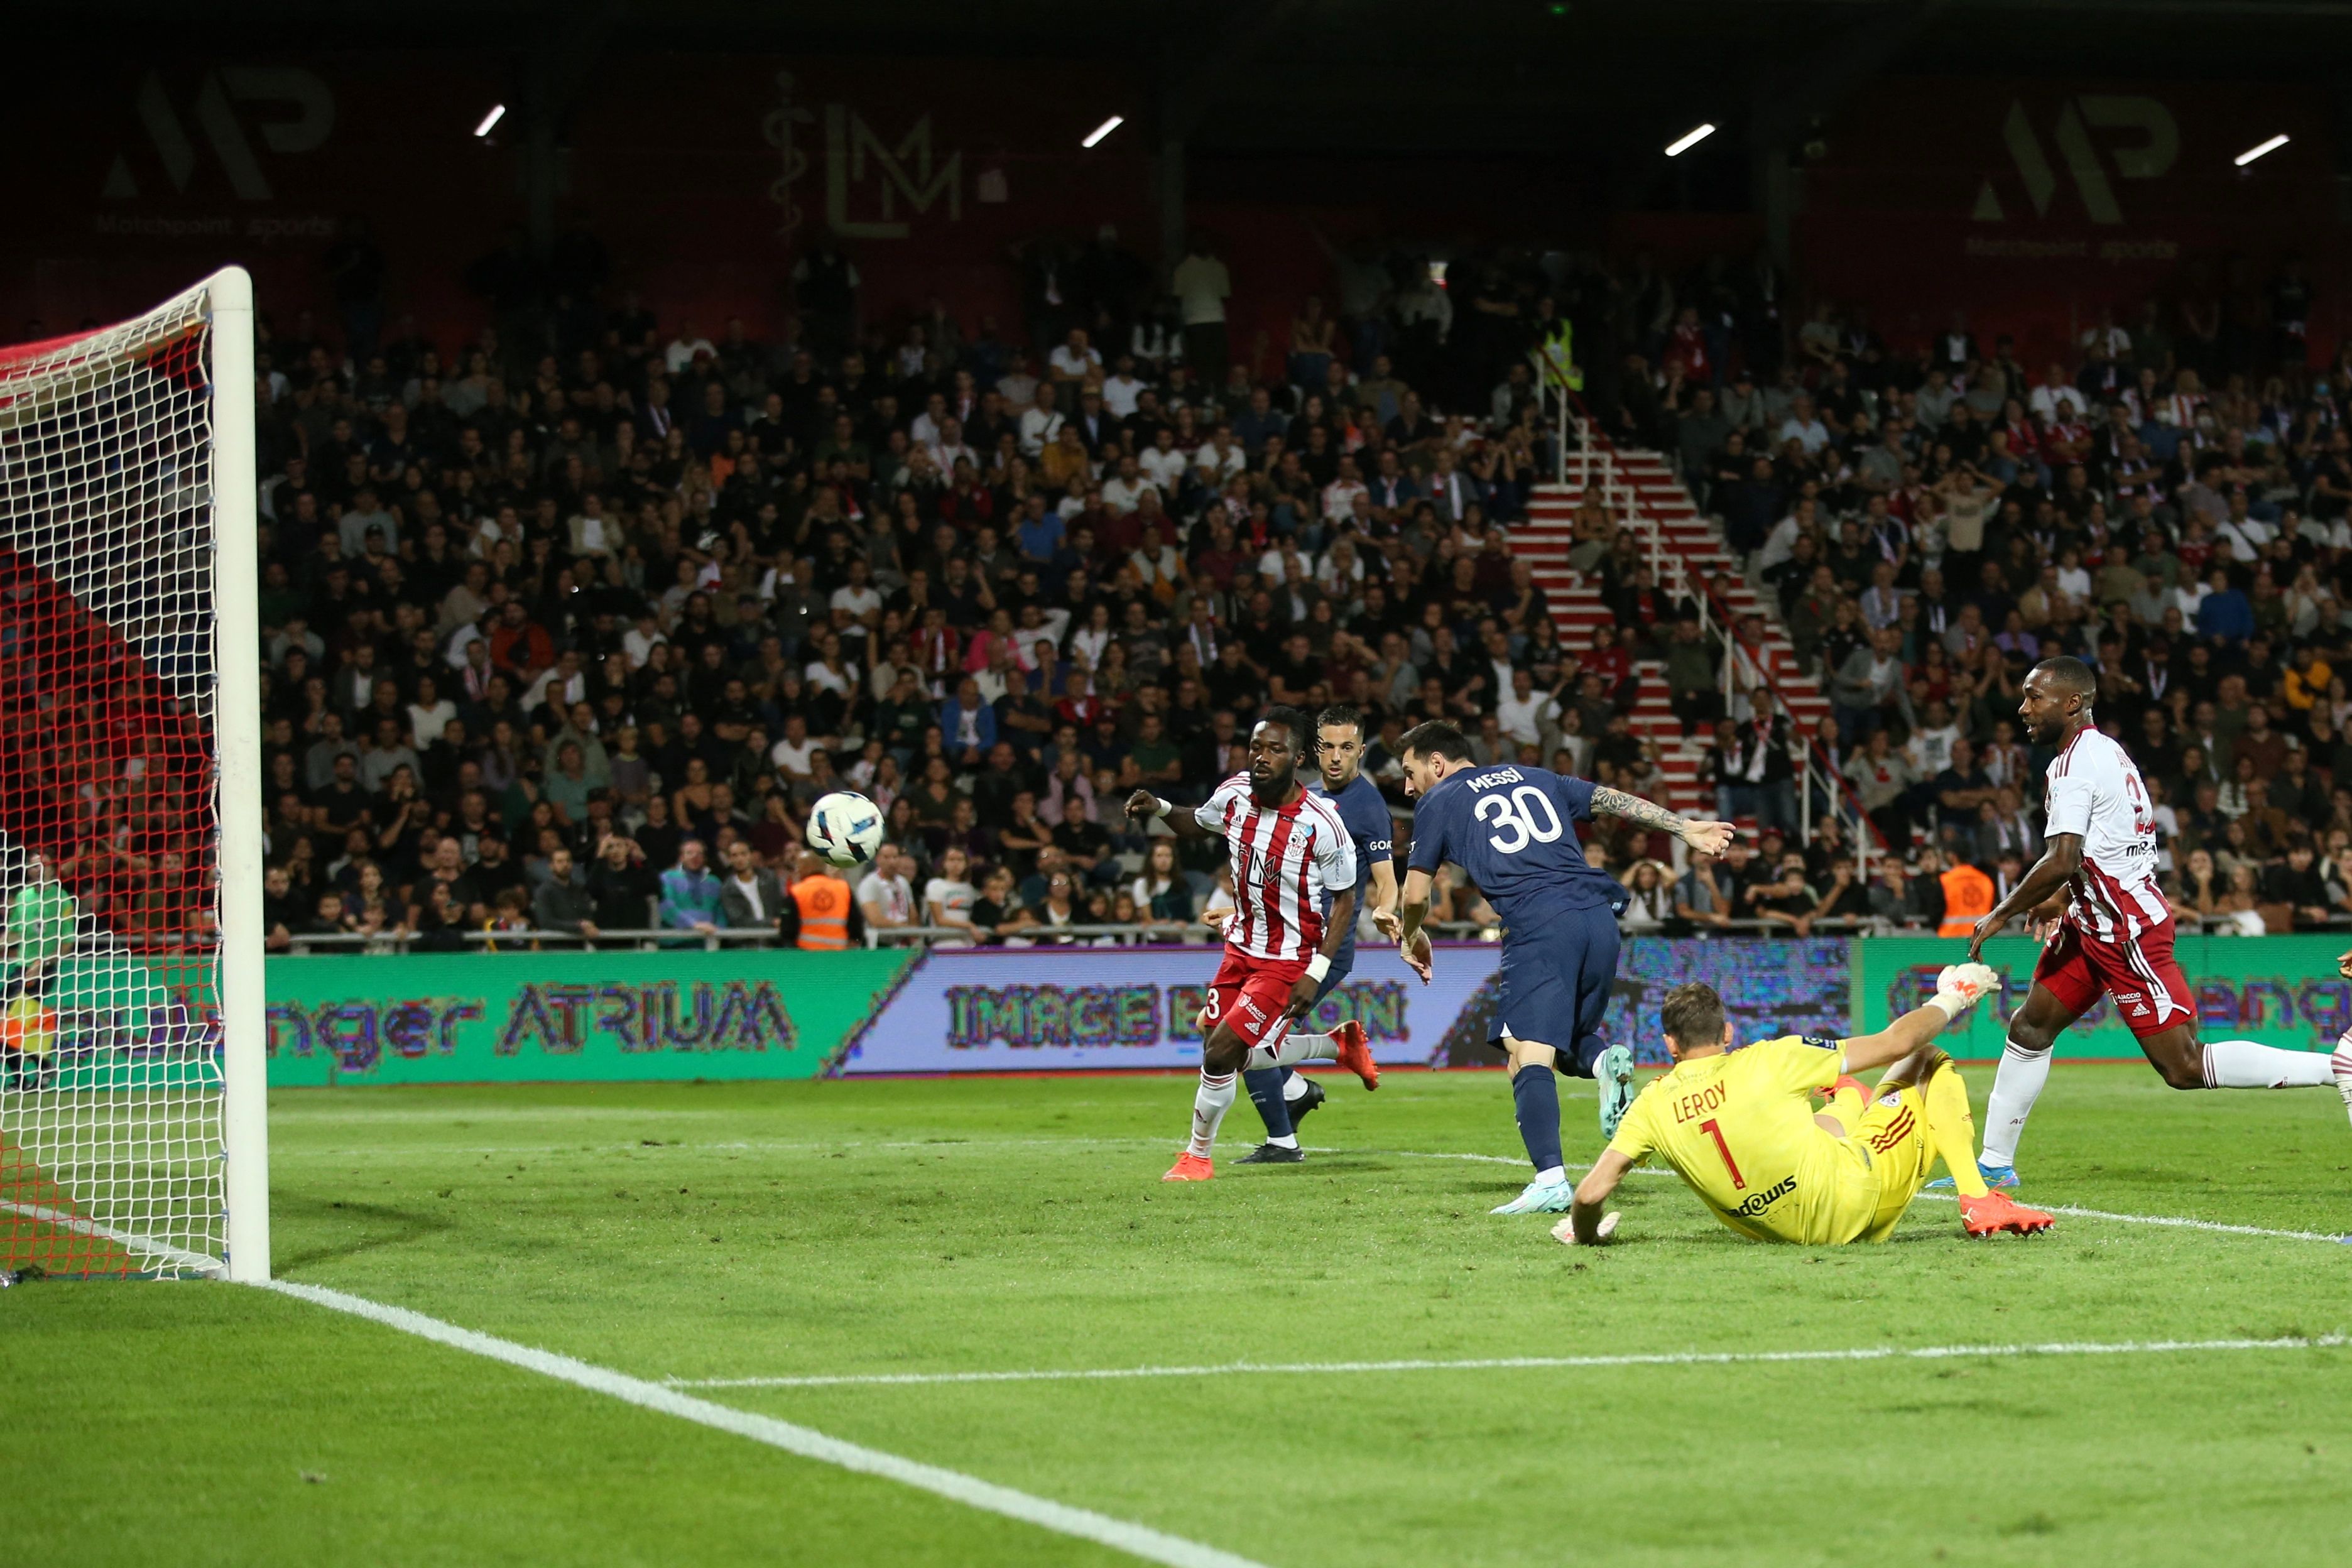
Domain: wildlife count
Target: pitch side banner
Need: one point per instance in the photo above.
(1048, 1009)
(558, 1017)
(2280, 991)
(1044, 1009)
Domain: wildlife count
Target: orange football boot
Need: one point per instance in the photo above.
(1191, 1167)
(1356, 1053)
(1996, 1212)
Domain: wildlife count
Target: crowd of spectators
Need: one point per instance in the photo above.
(2166, 500)
(569, 637)
(570, 641)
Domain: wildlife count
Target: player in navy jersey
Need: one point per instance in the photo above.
(1282, 1095)
(1510, 827)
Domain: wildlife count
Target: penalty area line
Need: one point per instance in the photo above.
(2162, 1221)
(1135, 1539)
(2175, 1222)
(1671, 1358)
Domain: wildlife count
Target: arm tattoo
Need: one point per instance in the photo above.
(1614, 803)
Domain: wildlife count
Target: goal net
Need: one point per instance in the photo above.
(129, 1004)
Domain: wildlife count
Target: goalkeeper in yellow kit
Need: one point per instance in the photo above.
(1738, 1125)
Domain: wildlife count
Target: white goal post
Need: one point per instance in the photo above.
(133, 1092)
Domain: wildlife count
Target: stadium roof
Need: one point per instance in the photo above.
(1613, 79)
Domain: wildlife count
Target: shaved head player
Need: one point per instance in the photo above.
(2105, 926)
(1290, 852)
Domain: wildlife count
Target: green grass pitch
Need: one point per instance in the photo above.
(835, 1229)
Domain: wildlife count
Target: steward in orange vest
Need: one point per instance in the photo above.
(1968, 897)
(824, 904)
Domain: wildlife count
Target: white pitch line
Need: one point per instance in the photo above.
(1135, 1539)
(2170, 1222)
(2175, 1222)
(2214, 1227)
(178, 1257)
(942, 1146)
(1681, 1358)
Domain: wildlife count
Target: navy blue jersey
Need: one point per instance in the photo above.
(1510, 827)
(1365, 815)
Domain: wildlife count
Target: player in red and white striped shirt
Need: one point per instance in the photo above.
(1290, 852)
(2112, 931)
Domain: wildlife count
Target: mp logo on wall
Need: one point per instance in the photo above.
(285, 109)
(2145, 146)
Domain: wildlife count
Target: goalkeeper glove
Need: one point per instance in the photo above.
(1961, 986)
(1565, 1231)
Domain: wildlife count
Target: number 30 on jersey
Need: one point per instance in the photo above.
(1524, 816)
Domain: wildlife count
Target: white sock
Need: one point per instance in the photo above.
(1210, 1104)
(2243, 1064)
(1293, 1088)
(1552, 1174)
(1287, 1141)
(1292, 1049)
(2016, 1085)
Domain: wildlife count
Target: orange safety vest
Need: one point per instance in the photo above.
(1968, 895)
(825, 913)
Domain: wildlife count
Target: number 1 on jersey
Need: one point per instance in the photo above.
(1713, 1129)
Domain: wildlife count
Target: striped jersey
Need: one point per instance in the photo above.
(2095, 790)
(1286, 860)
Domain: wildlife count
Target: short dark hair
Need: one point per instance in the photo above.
(1340, 713)
(2070, 674)
(1436, 738)
(1692, 1015)
(1291, 718)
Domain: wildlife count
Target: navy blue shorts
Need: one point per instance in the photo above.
(1555, 985)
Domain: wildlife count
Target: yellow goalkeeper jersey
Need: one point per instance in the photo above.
(1739, 1127)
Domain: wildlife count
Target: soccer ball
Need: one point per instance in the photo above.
(845, 828)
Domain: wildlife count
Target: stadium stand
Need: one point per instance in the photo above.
(548, 634)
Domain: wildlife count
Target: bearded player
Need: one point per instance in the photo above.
(1282, 1095)
(1288, 850)
(1511, 828)
(2105, 926)
(1739, 1127)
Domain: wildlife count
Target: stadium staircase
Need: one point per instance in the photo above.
(1689, 560)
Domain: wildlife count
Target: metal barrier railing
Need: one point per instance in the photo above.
(1596, 454)
(1189, 933)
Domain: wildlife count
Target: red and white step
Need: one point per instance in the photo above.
(1659, 498)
